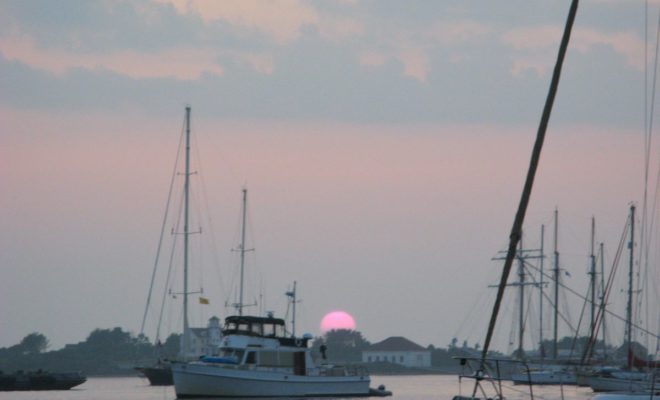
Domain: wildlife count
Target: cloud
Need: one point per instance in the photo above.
(536, 46)
(280, 19)
(415, 62)
(458, 32)
(181, 63)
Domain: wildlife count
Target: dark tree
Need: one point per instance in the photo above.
(34, 343)
(171, 347)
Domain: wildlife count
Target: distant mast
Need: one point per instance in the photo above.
(241, 249)
(186, 328)
(629, 316)
(542, 256)
(592, 275)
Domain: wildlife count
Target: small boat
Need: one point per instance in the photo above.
(40, 380)
(257, 359)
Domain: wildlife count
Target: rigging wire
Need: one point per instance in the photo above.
(166, 288)
(162, 229)
(211, 230)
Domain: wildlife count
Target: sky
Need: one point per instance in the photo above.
(383, 145)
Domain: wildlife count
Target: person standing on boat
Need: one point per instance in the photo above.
(323, 349)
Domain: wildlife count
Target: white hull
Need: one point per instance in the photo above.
(545, 378)
(210, 380)
(610, 384)
(626, 396)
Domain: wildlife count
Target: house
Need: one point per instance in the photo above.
(205, 341)
(398, 350)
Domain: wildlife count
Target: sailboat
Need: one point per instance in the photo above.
(259, 359)
(160, 374)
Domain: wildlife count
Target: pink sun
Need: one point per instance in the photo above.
(337, 320)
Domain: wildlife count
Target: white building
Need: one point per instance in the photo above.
(205, 341)
(398, 350)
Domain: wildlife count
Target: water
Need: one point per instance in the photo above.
(441, 387)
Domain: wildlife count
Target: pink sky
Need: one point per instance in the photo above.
(362, 216)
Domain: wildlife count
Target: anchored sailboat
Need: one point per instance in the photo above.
(160, 374)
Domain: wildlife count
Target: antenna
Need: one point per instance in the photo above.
(292, 298)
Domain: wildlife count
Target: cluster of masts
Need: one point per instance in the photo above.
(596, 302)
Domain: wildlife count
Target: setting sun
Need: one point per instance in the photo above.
(337, 320)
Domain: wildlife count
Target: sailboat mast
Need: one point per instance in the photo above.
(631, 247)
(592, 274)
(186, 328)
(240, 298)
(556, 274)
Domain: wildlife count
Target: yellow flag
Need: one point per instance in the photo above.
(203, 300)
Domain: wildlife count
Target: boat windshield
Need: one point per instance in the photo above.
(233, 354)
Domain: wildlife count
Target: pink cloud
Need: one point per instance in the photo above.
(180, 63)
(281, 19)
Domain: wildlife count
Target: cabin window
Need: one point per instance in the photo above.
(276, 359)
(251, 357)
(279, 330)
(256, 328)
(243, 326)
(269, 330)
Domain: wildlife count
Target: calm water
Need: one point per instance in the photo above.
(403, 387)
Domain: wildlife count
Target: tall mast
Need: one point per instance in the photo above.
(631, 246)
(242, 250)
(186, 328)
(592, 275)
(556, 275)
(541, 294)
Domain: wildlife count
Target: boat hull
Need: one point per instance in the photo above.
(545, 378)
(40, 381)
(204, 380)
(610, 384)
(158, 375)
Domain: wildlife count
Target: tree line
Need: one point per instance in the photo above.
(116, 352)
(104, 352)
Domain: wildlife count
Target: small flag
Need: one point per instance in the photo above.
(203, 300)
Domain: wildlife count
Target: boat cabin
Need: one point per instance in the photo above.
(262, 327)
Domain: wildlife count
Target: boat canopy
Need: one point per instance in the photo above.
(254, 326)
(266, 327)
